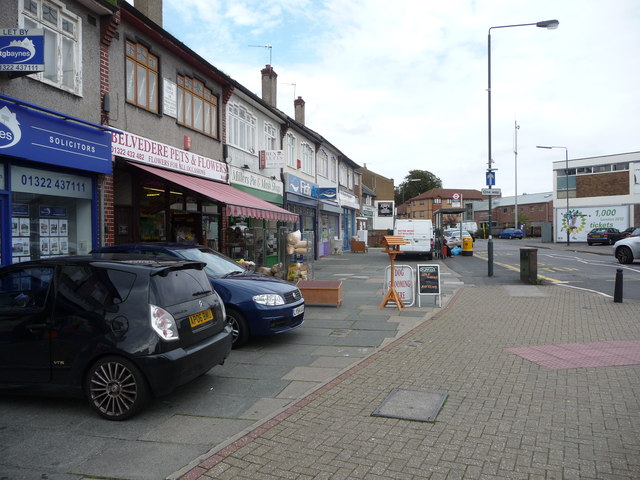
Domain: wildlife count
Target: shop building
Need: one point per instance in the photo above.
(54, 153)
(171, 179)
(592, 192)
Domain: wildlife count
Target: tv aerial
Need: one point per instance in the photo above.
(265, 46)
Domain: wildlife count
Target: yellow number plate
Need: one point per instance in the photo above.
(200, 318)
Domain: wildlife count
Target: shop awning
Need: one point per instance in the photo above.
(239, 203)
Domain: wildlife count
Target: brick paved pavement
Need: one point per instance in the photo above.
(505, 417)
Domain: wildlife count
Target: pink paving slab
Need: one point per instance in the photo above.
(576, 355)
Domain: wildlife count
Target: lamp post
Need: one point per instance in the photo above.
(404, 188)
(515, 153)
(566, 185)
(548, 24)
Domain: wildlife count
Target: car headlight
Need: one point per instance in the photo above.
(268, 299)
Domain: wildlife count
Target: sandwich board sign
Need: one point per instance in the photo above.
(429, 282)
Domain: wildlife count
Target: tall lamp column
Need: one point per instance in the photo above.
(548, 24)
(566, 186)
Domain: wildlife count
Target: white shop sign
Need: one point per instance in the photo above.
(156, 154)
(404, 282)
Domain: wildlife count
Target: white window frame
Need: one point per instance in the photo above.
(290, 149)
(270, 136)
(333, 168)
(242, 128)
(307, 158)
(323, 164)
(63, 61)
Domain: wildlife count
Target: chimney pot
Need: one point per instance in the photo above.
(269, 85)
(298, 105)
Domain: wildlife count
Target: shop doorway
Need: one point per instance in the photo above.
(124, 225)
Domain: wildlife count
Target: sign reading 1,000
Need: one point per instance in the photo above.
(53, 183)
(610, 212)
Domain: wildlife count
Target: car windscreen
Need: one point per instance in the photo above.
(179, 286)
(217, 265)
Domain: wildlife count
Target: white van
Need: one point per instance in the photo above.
(420, 235)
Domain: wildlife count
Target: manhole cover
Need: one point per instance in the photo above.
(411, 405)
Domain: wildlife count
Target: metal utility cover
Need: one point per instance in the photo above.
(411, 405)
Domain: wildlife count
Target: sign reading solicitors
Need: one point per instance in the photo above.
(35, 135)
(21, 50)
(151, 152)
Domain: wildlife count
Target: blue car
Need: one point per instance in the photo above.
(511, 233)
(255, 304)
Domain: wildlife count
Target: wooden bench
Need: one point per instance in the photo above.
(321, 292)
(358, 246)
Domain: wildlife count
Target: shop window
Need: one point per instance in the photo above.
(242, 128)
(50, 214)
(270, 136)
(142, 77)
(197, 106)
(62, 42)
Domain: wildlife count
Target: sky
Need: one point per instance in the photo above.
(400, 86)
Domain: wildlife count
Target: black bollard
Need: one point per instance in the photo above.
(617, 294)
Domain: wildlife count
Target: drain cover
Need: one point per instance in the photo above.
(414, 405)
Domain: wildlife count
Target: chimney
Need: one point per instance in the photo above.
(298, 104)
(152, 9)
(269, 85)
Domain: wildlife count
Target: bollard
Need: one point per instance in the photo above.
(617, 293)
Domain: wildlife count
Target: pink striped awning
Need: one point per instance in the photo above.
(239, 203)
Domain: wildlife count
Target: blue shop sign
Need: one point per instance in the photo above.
(29, 133)
(22, 50)
(300, 186)
(327, 193)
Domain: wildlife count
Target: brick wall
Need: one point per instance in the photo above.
(602, 184)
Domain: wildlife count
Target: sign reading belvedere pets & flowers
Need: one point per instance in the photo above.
(21, 50)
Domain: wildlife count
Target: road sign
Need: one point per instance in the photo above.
(491, 179)
(491, 191)
(456, 196)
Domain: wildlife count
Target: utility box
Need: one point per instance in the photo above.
(529, 265)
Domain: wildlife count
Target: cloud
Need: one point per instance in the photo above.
(403, 85)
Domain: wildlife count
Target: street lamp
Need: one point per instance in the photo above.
(548, 24)
(404, 188)
(515, 152)
(566, 184)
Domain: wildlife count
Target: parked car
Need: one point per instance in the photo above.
(453, 236)
(256, 304)
(627, 232)
(605, 235)
(627, 249)
(118, 331)
(511, 233)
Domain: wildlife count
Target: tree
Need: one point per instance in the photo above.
(415, 183)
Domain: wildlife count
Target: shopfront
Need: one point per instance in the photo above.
(49, 167)
(162, 193)
(259, 239)
(328, 220)
(349, 204)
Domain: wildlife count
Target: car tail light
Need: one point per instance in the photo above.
(163, 323)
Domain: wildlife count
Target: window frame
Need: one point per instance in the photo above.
(65, 19)
(241, 125)
(134, 58)
(191, 90)
(270, 136)
(290, 149)
(307, 158)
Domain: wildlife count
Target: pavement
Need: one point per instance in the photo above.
(506, 380)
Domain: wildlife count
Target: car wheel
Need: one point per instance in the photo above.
(624, 255)
(239, 327)
(589, 243)
(116, 388)
(611, 242)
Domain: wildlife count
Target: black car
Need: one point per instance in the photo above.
(605, 235)
(119, 331)
(256, 304)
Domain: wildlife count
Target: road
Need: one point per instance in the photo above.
(579, 266)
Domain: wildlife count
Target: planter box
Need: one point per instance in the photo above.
(321, 293)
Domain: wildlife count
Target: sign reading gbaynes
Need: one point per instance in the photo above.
(151, 152)
(21, 50)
